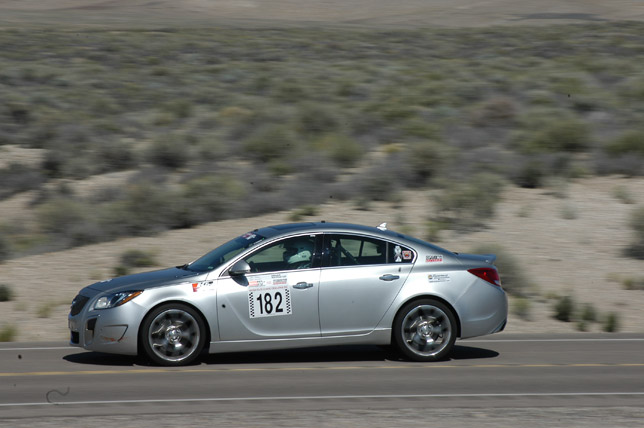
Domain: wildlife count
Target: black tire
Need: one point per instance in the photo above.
(172, 335)
(425, 330)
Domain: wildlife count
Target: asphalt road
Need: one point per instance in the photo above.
(575, 378)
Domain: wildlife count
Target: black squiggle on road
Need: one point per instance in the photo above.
(62, 394)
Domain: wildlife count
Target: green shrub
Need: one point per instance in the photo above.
(425, 160)
(45, 310)
(588, 313)
(114, 156)
(495, 111)
(18, 178)
(62, 216)
(305, 211)
(611, 323)
(622, 194)
(168, 151)
(564, 309)
(530, 175)
(271, 142)
(345, 151)
(418, 128)
(121, 270)
(513, 280)
(6, 294)
(138, 258)
(629, 143)
(280, 167)
(630, 283)
(636, 249)
(181, 109)
(316, 119)
(5, 248)
(434, 229)
(8, 333)
(145, 208)
(521, 308)
(289, 91)
(557, 135)
(468, 204)
(208, 198)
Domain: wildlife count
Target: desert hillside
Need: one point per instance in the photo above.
(567, 241)
(254, 13)
(170, 127)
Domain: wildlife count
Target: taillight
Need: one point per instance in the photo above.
(491, 275)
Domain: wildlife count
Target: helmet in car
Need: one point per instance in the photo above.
(298, 251)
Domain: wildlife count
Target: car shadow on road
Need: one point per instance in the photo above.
(101, 359)
(336, 354)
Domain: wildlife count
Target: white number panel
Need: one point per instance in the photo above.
(269, 296)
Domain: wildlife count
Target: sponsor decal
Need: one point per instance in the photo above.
(434, 259)
(274, 280)
(201, 286)
(407, 255)
(397, 254)
(438, 277)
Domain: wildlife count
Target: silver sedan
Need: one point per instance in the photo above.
(297, 285)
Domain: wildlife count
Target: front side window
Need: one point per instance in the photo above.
(288, 254)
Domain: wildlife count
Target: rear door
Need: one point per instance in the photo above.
(359, 281)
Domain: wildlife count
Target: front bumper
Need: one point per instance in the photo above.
(112, 330)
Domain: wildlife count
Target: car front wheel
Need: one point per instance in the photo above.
(425, 330)
(173, 335)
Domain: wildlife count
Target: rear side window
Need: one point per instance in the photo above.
(399, 254)
(350, 250)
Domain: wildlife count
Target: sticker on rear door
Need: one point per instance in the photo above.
(438, 277)
(269, 296)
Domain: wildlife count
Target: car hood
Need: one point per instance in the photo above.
(141, 281)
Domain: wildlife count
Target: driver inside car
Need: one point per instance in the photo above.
(298, 254)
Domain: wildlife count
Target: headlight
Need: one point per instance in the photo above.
(115, 299)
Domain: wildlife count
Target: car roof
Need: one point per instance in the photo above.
(331, 227)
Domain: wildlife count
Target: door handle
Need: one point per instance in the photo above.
(303, 285)
(389, 277)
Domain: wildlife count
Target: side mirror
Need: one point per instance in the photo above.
(239, 268)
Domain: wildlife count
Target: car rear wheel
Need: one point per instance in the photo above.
(173, 335)
(425, 330)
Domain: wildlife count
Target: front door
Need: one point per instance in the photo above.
(278, 299)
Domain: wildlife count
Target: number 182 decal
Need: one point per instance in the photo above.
(269, 303)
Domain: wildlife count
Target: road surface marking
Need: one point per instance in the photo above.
(295, 369)
(324, 397)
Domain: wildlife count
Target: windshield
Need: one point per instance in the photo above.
(221, 255)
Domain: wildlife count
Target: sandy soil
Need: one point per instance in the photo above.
(581, 256)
